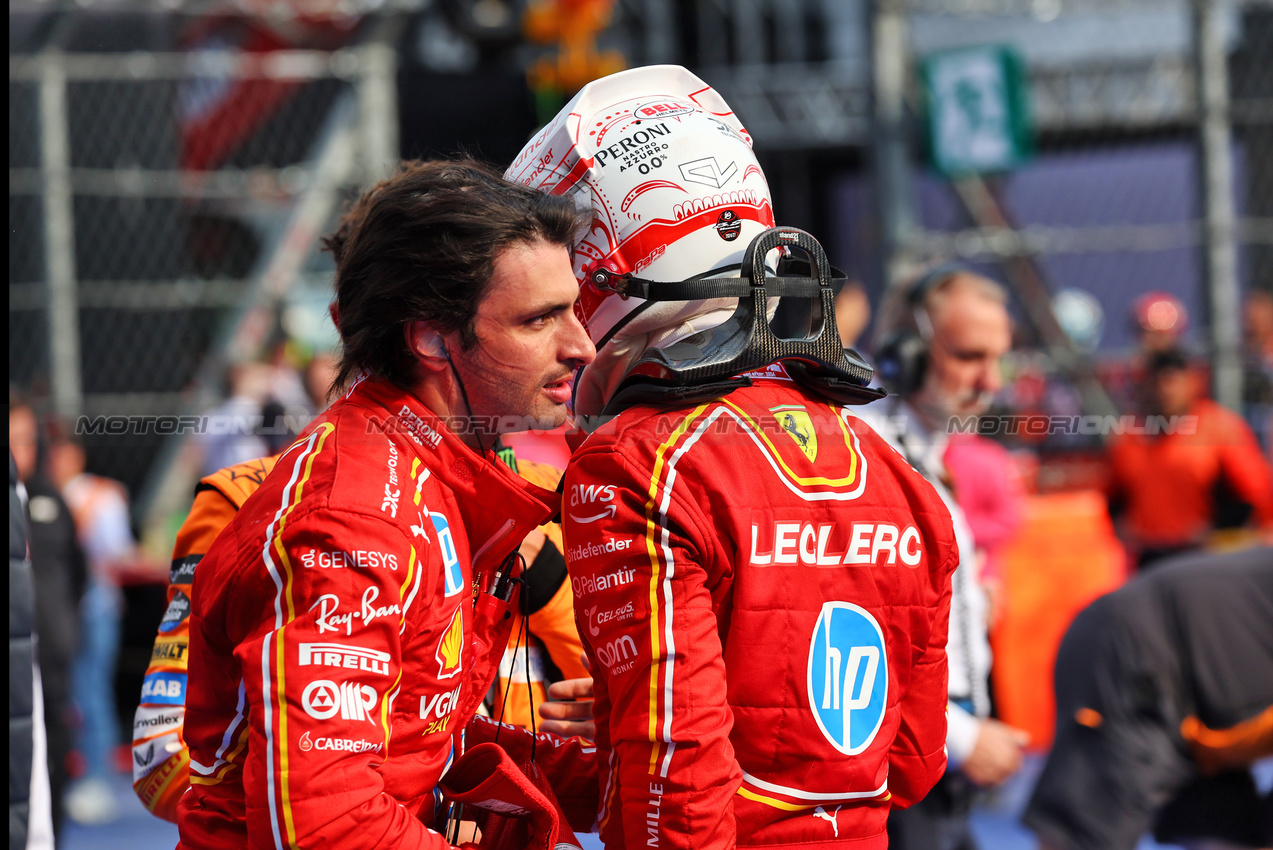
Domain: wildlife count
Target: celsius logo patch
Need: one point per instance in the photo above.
(450, 560)
(848, 676)
(728, 226)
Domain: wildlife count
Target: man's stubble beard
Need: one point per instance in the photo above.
(937, 409)
(499, 401)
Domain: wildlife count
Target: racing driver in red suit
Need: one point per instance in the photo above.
(348, 621)
(762, 585)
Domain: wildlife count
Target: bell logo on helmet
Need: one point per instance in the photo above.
(847, 676)
(662, 110)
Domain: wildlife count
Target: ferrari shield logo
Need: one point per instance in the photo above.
(796, 424)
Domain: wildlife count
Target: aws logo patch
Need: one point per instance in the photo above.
(848, 676)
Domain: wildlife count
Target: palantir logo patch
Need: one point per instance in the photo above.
(848, 676)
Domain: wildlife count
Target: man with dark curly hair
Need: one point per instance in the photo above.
(351, 617)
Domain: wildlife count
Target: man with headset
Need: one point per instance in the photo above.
(941, 341)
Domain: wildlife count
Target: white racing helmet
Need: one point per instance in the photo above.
(675, 193)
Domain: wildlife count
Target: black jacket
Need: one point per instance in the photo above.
(21, 660)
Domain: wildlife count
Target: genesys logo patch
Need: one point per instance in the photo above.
(847, 676)
(356, 559)
(343, 745)
(178, 611)
(164, 689)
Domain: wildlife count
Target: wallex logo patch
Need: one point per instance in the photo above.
(797, 425)
(451, 649)
(847, 676)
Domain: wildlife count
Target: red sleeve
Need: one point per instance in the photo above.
(1246, 471)
(645, 612)
(161, 760)
(570, 764)
(917, 758)
(304, 794)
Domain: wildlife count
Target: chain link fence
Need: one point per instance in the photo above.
(164, 211)
(1150, 174)
(164, 200)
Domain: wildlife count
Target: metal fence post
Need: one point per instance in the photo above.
(378, 100)
(1219, 213)
(890, 56)
(59, 239)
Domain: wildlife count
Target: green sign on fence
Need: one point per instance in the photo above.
(978, 117)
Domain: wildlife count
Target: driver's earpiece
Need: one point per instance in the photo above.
(425, 341)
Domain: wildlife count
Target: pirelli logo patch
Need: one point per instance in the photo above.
(150, 788)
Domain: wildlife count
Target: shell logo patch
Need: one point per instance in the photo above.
(451, 649)
(847, 676)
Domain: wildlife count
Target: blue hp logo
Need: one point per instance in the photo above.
(848, 676)
(454, 576)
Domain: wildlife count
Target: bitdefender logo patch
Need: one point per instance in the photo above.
(728, 226)
(847, 676)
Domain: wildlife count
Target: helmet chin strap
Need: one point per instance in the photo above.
(712, 362)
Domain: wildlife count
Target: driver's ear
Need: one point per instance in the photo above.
(426, 344)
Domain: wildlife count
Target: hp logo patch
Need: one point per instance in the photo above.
(454, 576)
(848, 676)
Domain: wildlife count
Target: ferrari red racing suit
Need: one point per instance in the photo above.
(341, 636)
(762, 586)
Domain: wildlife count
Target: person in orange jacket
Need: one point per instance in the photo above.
(1195, 467)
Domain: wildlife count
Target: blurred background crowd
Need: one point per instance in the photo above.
(172, 167)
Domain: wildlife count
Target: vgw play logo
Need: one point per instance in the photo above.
(848, 676)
